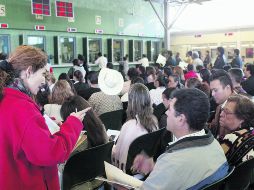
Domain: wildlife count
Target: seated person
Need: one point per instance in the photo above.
(238, 117)
(111, 83)
(156, 94)
(61, 91)
(196, 158)
(96, 132)
(140, 121)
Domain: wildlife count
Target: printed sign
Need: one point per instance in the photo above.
(2, 10)
(98, 20)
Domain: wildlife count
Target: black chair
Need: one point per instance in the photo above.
(159, 110)
(86, 165)
(219, 184)
(112, 120)
(241, 177)
(149, 143)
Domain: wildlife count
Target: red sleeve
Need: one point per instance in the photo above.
(43, 149)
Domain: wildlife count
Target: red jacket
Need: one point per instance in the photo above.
(29, 154)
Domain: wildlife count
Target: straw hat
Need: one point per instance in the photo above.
(110, 81)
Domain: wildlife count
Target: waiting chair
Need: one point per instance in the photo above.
(219, 185)
(149, 143)
(159, 110)
(241, 177)
(112, 120)
(86, 165)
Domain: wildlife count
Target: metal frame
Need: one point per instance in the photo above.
(100, 44)
(44, 40)
(9, 41)
(59, 47)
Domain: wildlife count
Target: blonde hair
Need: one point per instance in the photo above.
(60, 92)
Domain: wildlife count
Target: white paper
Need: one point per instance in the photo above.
(53, 127)
(183, 65)
(115, 174)
(161, 59)
(113, 133)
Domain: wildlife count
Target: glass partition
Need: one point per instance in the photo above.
(5, 44)
(36, 41)
(95, 46)
(67, 49)
(138, 50)
(118, 51)
(155, 50)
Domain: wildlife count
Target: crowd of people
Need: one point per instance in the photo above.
(207, 108)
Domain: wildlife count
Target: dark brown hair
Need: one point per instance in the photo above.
(96, 132)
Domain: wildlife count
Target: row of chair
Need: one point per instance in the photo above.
(86, 165)
(238, 178)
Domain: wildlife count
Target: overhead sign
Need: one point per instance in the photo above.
(2, 10)
(40, 7)
(4, 25)
(64, 9)
(72, 29)
(98, 31)
(39, 27)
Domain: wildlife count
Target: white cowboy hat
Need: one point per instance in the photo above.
(110, 81)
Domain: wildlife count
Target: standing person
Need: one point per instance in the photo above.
(207, 59)
(177, 58)
(144, 61)
(101, 61)
(29, 153)
(76, 67)
(82, 62)
(248, 84)
(237, 61)
(220, 61)
(170, 61)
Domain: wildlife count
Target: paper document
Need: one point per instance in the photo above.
(161, 59)
(53, 127)
(183, 65)
(117, 176)
(113, 134)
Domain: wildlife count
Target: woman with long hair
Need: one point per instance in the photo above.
(140, 121)
(29, 152)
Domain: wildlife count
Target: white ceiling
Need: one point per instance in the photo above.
(213, 15)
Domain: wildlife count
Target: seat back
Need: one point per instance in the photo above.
(86, 165)
(149, 143)
(219, 184)
(159, 110)
(112, 120)
(241, 177)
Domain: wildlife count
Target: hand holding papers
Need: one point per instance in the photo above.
(117, 176)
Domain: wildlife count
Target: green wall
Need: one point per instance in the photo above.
(138, 17)
(140, 23)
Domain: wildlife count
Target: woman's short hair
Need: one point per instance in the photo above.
(244, 110)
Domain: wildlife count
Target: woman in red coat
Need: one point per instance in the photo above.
(29, 154)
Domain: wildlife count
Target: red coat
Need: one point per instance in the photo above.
(29, 154)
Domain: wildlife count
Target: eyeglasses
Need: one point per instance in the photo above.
(226, 112)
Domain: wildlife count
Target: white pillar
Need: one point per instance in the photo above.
(166, 23)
